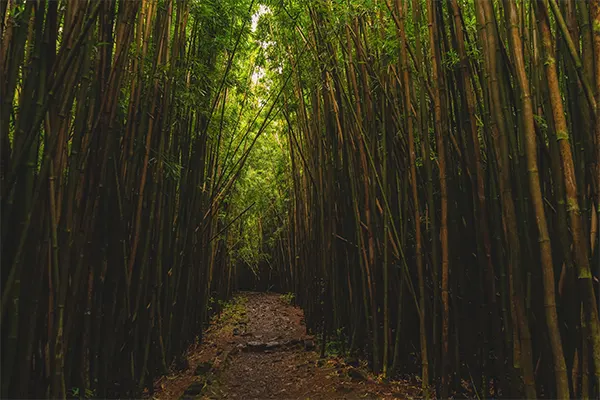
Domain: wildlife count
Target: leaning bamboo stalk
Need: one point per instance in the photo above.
(410, 121)
(589, 93)
(560, 369)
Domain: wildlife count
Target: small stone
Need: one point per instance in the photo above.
(272, 345)
(256, 346)
(357, 374)
(352, 361)
(194, 389)
(203, 368)
(236, 331)
(238, 348)
(309, 345)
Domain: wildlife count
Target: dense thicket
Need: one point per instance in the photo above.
(445, 177)
(423, 175)
(113, 191)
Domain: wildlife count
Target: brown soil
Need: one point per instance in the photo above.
(285, 372)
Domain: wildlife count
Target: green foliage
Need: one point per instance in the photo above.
(451, 59)
(75, 393)
(232, 312)
(263, 183)
(288, 297)
(336, 345)
(541, 122)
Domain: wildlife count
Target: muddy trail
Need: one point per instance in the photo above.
(257, 348)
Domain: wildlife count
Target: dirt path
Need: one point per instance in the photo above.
(258, 349)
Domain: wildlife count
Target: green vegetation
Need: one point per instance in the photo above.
(232, 312)
(75, 393)
(288, 297)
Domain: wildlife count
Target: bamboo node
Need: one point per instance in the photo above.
(572, 205)
(584, 273)
(562, 135)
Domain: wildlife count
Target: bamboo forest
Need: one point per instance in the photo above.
(294, 199)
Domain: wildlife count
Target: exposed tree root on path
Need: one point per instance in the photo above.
(257, 348)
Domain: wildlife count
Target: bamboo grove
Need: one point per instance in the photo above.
(112, 186)
(434, 205)
(444, 159)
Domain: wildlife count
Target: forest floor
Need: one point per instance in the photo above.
(257, 348)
